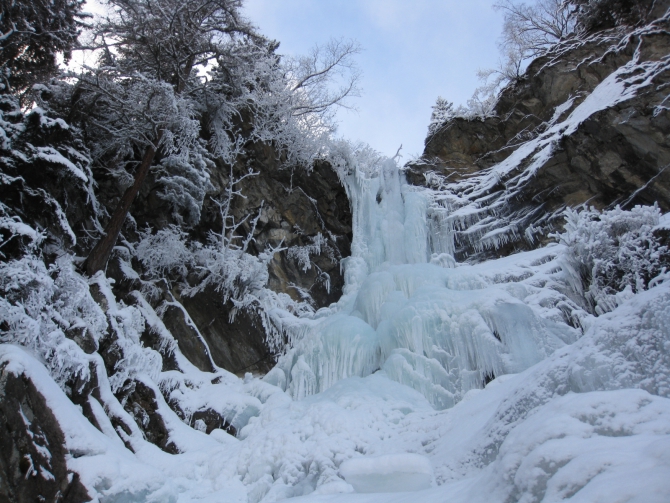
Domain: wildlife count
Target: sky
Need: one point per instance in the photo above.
(413, 52)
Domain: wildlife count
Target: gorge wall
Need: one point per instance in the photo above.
(511, 174)
(299, 210)
(135, 364)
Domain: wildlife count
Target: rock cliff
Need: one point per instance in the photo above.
(588, 123)
(298, 209)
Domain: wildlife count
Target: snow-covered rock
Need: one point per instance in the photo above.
(587, 123)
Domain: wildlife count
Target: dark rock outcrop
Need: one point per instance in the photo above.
(236, 345)
(190, 342)
(617, 155)
(140, 402)
(32, 447)
(208, 420)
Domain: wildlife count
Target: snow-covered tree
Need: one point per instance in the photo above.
(310, 78)
(142, 90)
(46, 183)
(33, 33)
(443, 110)
(287, 101)
(170, 67)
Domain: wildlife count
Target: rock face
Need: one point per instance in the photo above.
(236, 345)
(304, 213)
(297, 209)
(140, 403)
(296, 206)
(613, 153)
(32, 447)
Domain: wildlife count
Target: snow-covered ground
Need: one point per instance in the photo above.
(543, 376)
(433, 380)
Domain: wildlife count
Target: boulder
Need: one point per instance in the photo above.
(33, 455)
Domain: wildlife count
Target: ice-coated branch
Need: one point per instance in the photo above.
(313, 75)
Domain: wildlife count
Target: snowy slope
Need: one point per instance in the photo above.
(486, 382)
(515, 379)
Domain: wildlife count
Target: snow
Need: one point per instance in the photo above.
(381, 397)
(112, 472)
(52, 155)
(599, 446)
(429, 380)
(389, 473)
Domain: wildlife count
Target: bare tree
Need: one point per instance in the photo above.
(311, 77)
(529, 30)
(300, 95)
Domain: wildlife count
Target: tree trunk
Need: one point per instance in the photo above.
(97, 259)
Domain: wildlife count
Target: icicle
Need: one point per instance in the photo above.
(409, 308)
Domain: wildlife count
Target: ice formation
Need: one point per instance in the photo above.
(409, 310)
(390, 473)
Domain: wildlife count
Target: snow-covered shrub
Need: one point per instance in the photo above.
(184, 183)
(318, 245)
(479, 106)
(241, 278)
(12, 229)
(42, 307)
(612, 254)
(358, 159)
(232, 272)
(45, 177)
(164, 252)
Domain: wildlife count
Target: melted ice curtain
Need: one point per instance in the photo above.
(408, 309)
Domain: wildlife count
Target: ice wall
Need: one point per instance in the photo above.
(410, 310)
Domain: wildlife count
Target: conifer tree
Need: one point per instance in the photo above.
(32, 35)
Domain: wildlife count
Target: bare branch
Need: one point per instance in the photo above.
(313, 76)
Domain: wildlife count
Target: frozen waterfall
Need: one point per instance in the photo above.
(410, 310)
